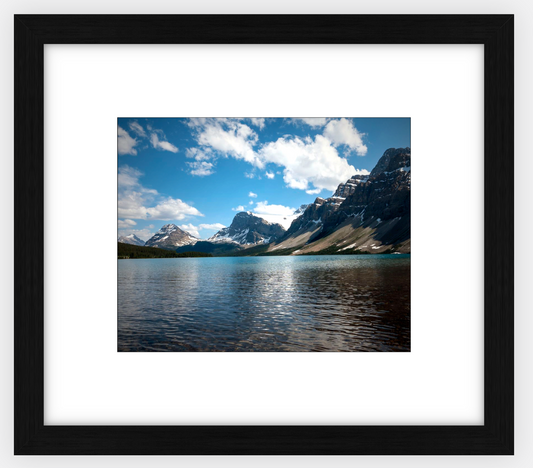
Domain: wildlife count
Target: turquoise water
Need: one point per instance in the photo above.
(298, 303)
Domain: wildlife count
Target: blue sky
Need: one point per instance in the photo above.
(198, 173)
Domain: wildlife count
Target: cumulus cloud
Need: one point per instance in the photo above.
(314, 191)
(201, 168)
(239, 208)
(191, 229)
(280, 214)
(252, 195)
(258, 122)
(314, 122)
(229, 137)
(126, 223)
(212, 227)
(307, 161)
(251, 202)
(172, 208)
(343, 132)
(195, 230)
(136, 127)
(200, 154)
(310, 164)
(138, 202)
(126, 144)
(162, 145)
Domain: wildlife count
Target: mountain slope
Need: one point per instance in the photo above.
(366, 214)
(248, 229)
(171, 236)
(132, 239)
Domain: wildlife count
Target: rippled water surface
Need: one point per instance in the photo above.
(307, 303)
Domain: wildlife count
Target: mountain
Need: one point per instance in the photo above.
(171, 236)
(248, 229)
(369, 213)
(345, 190)
(132, 239)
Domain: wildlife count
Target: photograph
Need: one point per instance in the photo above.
(264, 234)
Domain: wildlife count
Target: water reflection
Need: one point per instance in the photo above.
(322, 303)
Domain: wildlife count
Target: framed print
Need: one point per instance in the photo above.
(284, 242)
(267, 159)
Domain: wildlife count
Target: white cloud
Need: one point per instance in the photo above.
(280, 214)
(126, 223)
(172, 208)
(126, 144)
(138, 202)
(314, 122)
(307, 161)
(200, 154)
(239, 208)
(343, 132)
(258, 122)
(128, 177)
(195, 230)
(201, 168)
(191, 229)
(227, 136)
(252, 195)
(137, 128)
(212, 227)
(310, 164)
(314, 191)
(164, 145)
(251, 202)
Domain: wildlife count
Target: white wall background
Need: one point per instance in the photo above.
(523, 192)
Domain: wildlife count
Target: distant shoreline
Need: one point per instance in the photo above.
(135, 252)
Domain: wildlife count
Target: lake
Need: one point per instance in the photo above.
(292, 303)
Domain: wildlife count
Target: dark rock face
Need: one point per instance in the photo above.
(345, 190)
(171, 236)
(131, 239)
(392, 159)
(385, 195)
(368, 200)
(314, 215)
(247, 229)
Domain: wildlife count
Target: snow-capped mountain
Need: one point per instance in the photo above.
(368, 213)
(171, 236)
(131, 239)
(248, 229)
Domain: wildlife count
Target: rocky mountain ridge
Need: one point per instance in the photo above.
(171, 236)
(369, 213)
(248, 229)
(373, 209)
(132, 239)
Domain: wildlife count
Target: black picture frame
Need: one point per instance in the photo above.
(495, 437)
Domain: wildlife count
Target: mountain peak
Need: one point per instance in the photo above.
(247, 229)
(171, 236)
(131, 239)
(392, 159)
